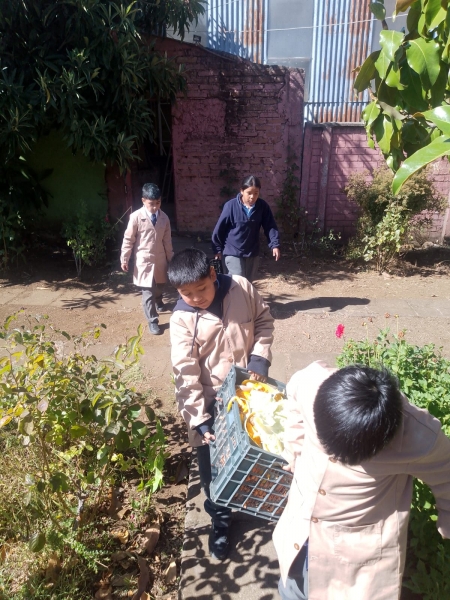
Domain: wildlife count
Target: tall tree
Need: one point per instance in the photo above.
(408, 82)
(82, 67)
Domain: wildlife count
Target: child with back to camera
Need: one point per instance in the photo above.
(354, 444)
(219, 320)
(148, 235)
(236, 234)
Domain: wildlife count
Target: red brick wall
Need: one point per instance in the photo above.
(237, 117)
(332, 152)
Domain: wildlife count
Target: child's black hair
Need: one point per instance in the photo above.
(250, 181)
(357, 412)
(151, 191)
(188, 266)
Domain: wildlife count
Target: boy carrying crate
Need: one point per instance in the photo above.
(219, 320)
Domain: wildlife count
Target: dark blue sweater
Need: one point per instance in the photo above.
(237, 234)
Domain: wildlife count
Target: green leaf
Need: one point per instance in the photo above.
(366, 72)
(139, 428)
(37, 541)
(393, 78)
(370, 113)
(122, 441)
(26, 425)
(59, 482)
(150, 413)
(378, 10)
(440, 116)
(66, 335)
(111, 431)
(434, 14)
(78, 431)
(383, 130)
(382, 64)
(134, 412)
(412, 93)
(436, 149)
(391, 41)
(423, 57)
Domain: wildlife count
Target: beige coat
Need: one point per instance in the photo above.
(152, 246)
(356, 517)
(246, 328)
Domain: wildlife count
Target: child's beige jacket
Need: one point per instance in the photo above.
(152, 246)
(356, 517)
(204, 347)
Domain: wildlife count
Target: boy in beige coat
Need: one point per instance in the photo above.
(355, 445)
(148, 234)
(219, 321)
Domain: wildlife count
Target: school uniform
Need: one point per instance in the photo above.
(151, 243)
(354, 519)
(236, 329)
(236, 235)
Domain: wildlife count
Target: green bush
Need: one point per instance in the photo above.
(388, 222)
(87, 235)
(70, 427)
(424, 376)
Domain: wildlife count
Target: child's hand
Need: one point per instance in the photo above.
(208, 437)
(277, 254)
(257, 376)
(124, 267)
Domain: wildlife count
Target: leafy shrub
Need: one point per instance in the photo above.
(69, 424)
(388, 222)
(424, 376)
(87, 235)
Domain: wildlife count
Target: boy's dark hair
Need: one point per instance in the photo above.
(250, 181)
(188, 266)
(357, 412)
(150, 191)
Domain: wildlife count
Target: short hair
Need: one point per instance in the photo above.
(150, 191)
(357, 412)
(188, 266)
(250, 181)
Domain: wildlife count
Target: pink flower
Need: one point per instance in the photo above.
(339, 331)
(107, 219)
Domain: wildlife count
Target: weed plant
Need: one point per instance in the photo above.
(70, 429)
(424, 376)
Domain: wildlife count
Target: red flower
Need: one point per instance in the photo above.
(339, 331)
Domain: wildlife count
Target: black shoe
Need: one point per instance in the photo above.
(218, 542)
(161, 307)
(154, 328)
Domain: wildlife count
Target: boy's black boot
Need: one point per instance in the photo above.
(218, 542)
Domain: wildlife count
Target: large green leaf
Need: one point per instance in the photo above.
(37, 541)
(391, 41)
(424, 57)
(382, 64)
(366, 72)
(378, 10)
(384, 130)
(370, 113)
(434, 13)
(393, 78)
(440, 116)
(423, 157)
(412, 93)
(402, 6)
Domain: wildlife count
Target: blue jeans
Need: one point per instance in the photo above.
(296, 587)
(220, 515)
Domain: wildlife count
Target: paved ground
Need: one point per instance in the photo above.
(251, 572)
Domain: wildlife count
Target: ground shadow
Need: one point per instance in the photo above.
(284, 310)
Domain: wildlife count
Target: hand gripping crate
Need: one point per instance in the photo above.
(244, 476)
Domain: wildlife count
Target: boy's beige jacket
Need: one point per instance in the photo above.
(246, 328)
(356, 517)
(152, 246)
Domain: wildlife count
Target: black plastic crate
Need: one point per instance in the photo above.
(244, 476)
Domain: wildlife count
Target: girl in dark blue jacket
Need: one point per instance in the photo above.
(236, 234)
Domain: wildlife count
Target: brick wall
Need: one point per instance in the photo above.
(332, 152)
(236, 117)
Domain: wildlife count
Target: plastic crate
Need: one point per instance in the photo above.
(244, 476)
